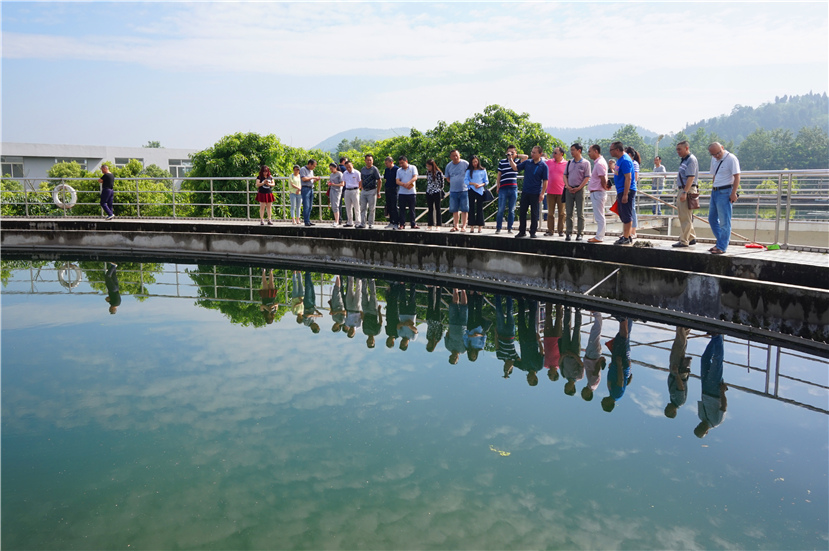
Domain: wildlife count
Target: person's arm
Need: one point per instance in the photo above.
(723, 400)
(542, 194)
(586, 179)
(360, 183)
(498, 181)
(734, 188)
(627, 188)
(512, 164)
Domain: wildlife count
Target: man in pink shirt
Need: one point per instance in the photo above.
(597, 187)
(555, 191)
(552, 333)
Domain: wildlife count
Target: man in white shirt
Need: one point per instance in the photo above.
(725, 171)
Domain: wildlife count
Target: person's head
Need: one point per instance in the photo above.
(370, 341)
(617, 149)
(608, 403)
(552, 374)
(594, 152)
(683, 148)
(343, 160)
(269, 316)
(633, 154)
(311, 164)
(349, 166)
(657, 161)
(351, 332)
(112, 309)
(333, 168)
(454, 357)
(512, 151)
(336, 327)
(587, 394)
(716, 150)
(389, 162)
(403, 161)
(670, 410)
(472, 354)
(432, 166)
(537, 152)
(475, 163)
(570, 387)
(575, 150)
(264, 172)
(532, 378)
(315, 327)
(702, 429)
(404, 344)
(611, 163)
(455, 156)
(296, 169)
(390, 342)
(369, 159)
(558, 154)
(105, 168)
(299, 319)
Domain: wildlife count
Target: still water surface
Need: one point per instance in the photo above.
(187, 420)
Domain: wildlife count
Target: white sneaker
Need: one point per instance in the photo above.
(334, 225)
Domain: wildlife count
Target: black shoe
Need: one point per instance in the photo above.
(578, 237)
(692, 242)
(622, 241)
(308, 224)
(567, 238)
(680, 244)
(533, 236)
(520, 235)
(348, 225)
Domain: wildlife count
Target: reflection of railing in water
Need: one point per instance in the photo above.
(775, 356)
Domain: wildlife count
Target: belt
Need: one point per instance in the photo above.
(722, 188)
(352, 188)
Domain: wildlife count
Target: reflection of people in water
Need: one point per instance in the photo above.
(372, 314)
(458, 317)
(268, 295)
(572, 367)
(392, 312)
(711, 408)
(309, 305)
(679, 368)
(475, 338)
(353, 308)
(505, 334)
(434, 318)
(594, 362)
(618, 375)
(113, 292)
(297, 295)
(552, 335)
(336, 305)
(532, 348)
(407, 325)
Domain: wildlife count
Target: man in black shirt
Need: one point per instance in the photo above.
(107, 182)
(390, 176)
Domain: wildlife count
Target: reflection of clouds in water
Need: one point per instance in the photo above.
(650, 401)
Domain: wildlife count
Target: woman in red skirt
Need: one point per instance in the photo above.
(264, 194)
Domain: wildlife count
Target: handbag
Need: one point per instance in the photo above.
(488, 197)
(693, 200)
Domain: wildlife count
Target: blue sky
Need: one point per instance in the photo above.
(187, 74)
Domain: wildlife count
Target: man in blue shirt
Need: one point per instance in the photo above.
(625, 190)
(390, 176)
(535, 181)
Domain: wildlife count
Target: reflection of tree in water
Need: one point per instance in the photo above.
(8, 267)
(133, 277)
(234, 291)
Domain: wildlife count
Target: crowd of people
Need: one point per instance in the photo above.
(563, 184)
(521, 339)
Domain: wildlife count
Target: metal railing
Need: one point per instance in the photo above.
(781, 197)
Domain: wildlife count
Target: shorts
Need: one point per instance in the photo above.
(458, 201)
(626, 209)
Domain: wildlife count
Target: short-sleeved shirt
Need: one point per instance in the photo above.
(455, 174)
(620, 355)
(728, 166)
(509, 177)
(108, 181)
(335, 178)
(390, 176)
(404, 175)
(370, 177)
(351, 179)
(599, 170)
(555, 184)
(708, 410)
(657, 182)
(296, 183)
(306, 172)
(534, 175)
(624, 165)
(689, 166)
(577, 171)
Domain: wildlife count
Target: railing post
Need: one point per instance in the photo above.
(174, 199)
(137, 200)
(777, 212)
(788, 210)
(211, 198)
(26, 200)
(247, 197)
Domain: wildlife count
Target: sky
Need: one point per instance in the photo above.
(185, 73)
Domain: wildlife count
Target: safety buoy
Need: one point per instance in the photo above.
(69, 275)
(64, 196)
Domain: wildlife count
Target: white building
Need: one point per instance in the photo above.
(30, 162)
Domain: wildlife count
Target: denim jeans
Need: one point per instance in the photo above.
(506, 200)
(711, 366)
(719, 216)
(296, 201)
(307, 201)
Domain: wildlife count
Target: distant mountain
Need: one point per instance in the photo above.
(789, 113)
(330, 144)
(595, 132)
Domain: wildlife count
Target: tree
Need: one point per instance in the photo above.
(811, 148)
(153, 145)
